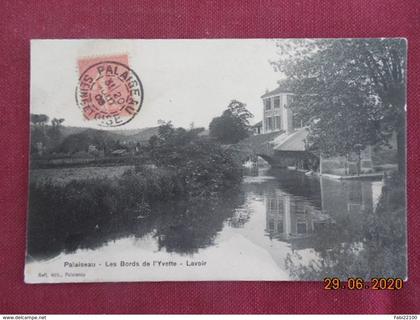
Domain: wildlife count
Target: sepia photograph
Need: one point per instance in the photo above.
(222, 159)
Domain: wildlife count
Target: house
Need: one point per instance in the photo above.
(291, 147)
(277, 116)
(92, 148)
(257, 128)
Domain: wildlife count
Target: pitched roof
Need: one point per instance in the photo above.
(291, 142)
(284, 87)
(258, 124)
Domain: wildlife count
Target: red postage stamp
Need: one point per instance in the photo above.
(108, 92)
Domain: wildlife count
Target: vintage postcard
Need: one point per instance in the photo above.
(223, 159)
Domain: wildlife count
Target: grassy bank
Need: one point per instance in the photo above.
(86, 213)
(83, 212)
(63, 176)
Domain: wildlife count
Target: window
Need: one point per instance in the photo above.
(355, 194)
(280, 206)
(289, 99)
(276, 102)
(280, 226)
(277, 122)
(273, 204)
(270, 123)
(301, 228)
(267, 104)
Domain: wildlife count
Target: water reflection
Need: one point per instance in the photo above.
(293, 207)
(281, 224)
(187, 226)
(289, 217)
(334, 228)
(338, 224)
(349, 196)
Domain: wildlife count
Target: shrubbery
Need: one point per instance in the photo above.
(233, 125)
(184, 167)
(204, 165)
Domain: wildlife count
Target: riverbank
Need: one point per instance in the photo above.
(65, 215)
(366, 176)
(377, 176)
(271, 225)
(80, 207)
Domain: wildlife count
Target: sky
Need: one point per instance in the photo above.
(184, 81)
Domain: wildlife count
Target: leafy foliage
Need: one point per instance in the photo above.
(39, 119)
(233, 125)
(45, 137)
(186, 167)
(351, 92)
(204, 165)
(91, 212)
(54, 132)
(103, 140)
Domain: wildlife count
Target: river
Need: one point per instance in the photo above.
(281, 225)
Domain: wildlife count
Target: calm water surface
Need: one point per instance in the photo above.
(281, 225)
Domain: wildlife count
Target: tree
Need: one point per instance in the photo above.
(343, 130)
(80, 142)
(39, 137)
(43, 135)
(54, 132)
(39, 119)
(351, 92)
(203, 165)
(233, 125)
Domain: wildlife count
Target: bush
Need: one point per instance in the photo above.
(185, 167)
(233, 125)
(202, 165)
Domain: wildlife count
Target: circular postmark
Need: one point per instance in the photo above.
(109, 93)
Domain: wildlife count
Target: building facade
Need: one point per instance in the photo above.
(277, 116)
(290, 147)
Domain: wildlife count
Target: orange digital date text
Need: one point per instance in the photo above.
(335, 283)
